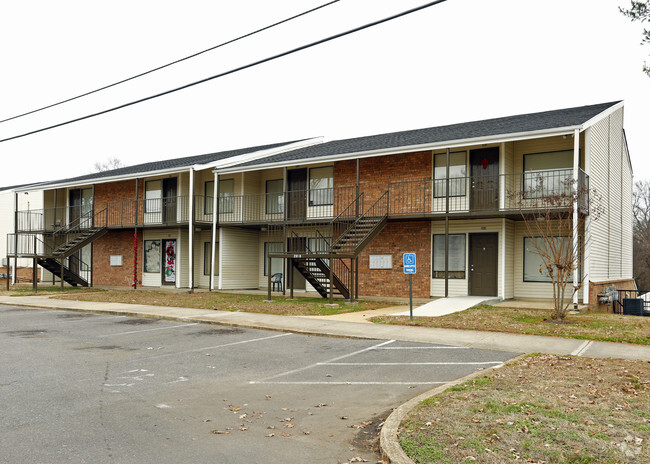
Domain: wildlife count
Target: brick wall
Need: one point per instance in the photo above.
(396, 239)
(124, 192)
(118, 242)
(596, 288)
(376, 173)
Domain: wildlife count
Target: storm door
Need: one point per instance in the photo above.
(484, 171)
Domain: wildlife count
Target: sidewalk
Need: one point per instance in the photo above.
(325, 325)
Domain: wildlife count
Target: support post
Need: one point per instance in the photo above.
(268, 269)
(15, 273)
(574, 228)
(62, 272)
(447, 228)
(291, 277)
(351, 289)
(215, 217)
(331, 279)
(34, 284)
(356, 276)
(190, 256)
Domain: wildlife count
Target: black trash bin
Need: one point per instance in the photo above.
(633, 306)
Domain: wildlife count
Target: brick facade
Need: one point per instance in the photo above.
(119, 242)
(396, 239)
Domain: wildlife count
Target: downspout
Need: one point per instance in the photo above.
(215, 215)
(587, 241)
(191, 232)
(574, 228)
(13, 277)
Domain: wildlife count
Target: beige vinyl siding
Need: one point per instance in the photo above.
(200, 279)
(510, 259)
(182, 259)
(542, 145)
(610, 246)
(155, 279)
(460, 287)
(239, 256)
(533, 290)
(264, 237)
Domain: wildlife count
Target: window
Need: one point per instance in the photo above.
(276, 263)
(226, 195)
(456, 256)
(208, 197)
(153, 196)
(152, 256)
(207, 258)
(547, 173)
(457, 174)
(274, 196)
(321, 183)
(534, 268)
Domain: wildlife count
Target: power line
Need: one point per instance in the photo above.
(168, 64)
(232, 71)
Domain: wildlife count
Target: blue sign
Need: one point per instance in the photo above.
(409, 263)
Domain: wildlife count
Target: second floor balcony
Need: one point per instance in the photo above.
(497, 195)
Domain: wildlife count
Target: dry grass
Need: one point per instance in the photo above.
(541, 409)
(589, 326)
(223, 301)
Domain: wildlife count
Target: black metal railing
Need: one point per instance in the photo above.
(632, 302)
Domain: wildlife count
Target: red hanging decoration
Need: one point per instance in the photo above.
(485, 163)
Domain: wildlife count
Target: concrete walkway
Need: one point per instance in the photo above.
(444, 306)
(343, 328)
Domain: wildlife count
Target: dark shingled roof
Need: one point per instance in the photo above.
(167, 164)
(468, 130)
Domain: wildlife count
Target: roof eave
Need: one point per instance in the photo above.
(500, 138)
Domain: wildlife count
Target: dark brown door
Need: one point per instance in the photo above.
(484, 172)
(297, 192)
(297, 245)
(483, 258)
(169, 199)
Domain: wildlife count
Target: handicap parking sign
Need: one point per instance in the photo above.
(409, 263)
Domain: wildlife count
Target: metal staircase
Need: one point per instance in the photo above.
(355, 234)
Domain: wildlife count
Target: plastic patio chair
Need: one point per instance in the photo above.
(276, 279)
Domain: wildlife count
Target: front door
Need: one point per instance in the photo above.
(169, 200)
(484, 171)
(169, 262)
(297, 192)
(483, 258)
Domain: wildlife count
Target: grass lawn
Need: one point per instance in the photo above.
(539, 409)
(588, 325)
(214, 300)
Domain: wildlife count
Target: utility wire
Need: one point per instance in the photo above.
(169, 64)
(232, 71)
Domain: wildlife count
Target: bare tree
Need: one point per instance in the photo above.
(108, 165)
(640, 11)
(546, 204)
(641, 211)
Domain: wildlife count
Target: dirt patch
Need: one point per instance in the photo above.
(222, 331)
(540, 409)
(34, 333)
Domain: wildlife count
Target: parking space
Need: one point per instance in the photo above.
(83, 387)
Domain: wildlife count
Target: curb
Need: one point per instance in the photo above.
(391, 450)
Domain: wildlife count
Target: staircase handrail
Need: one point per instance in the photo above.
(358, 200)
(365, 214)
(76, 224)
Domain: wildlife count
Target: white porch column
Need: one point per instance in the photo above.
(576, 236)
(179, 252)
(215, 213)
(502, 177)
(502, 271)
(586, 259)
(190, 257)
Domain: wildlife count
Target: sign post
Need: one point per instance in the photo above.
(409, 268)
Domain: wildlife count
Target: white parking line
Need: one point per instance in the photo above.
(411, 363)
(349, 383)
(424, 348)
(316, 364)
(147, 330)
(582, 348)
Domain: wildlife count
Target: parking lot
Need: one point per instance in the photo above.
(81, 387)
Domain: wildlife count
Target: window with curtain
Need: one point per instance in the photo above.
(274, 196)
(456, 256)
(226, 195)
(457, 174)
(321, 184)
(534, 268)
(152, 256)
(547, 173)
(207, 258)
(153, 196)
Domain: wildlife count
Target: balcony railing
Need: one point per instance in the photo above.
(484, 194)
(313, 204)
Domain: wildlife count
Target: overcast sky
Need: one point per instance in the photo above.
(459, 61)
